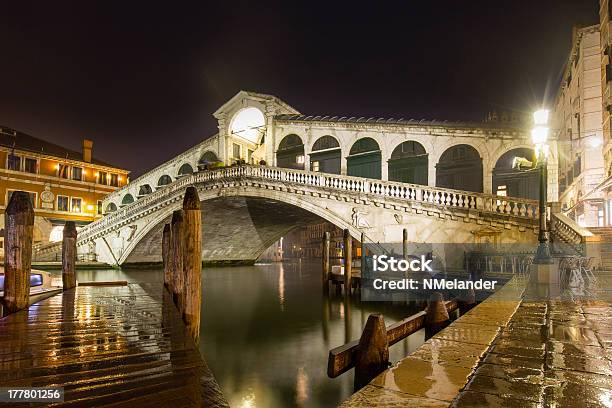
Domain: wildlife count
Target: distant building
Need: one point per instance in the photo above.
(63, 184)
(578, 122)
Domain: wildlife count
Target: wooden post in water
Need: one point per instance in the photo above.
(69, 252)
(325, 266)
(372, 354)
(192, 261)
(19, 227)
(405, 243)
(167, 255)
(176, 252)
(437, 315)
(363, 256)
(348, 261)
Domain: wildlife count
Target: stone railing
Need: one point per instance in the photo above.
(369, 188)
(566, 231)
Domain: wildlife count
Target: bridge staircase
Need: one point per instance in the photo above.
(605, 245)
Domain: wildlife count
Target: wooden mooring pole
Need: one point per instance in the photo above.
(166, 256)
(363, 256)
(348, 261)
(19, 228)
(372, 354)
(192, 262)
(176, 259)
(405, 243)
(437, 315)
(69, 252)
(325, 265)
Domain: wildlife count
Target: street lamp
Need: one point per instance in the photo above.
(539, 136)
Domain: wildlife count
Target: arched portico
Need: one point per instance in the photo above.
(408, 163)
(290, 153)
(508, 180)
(365, 159)
(326, 155)
(461, 168)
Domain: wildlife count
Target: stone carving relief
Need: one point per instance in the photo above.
(398, 218)
(359, 219)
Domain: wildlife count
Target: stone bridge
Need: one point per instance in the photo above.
(247, 208)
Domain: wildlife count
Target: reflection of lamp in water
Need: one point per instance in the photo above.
(301, 387)
(281, 288)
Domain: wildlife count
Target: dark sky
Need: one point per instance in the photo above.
(142, 80)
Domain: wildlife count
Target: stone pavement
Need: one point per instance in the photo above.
(506, 353)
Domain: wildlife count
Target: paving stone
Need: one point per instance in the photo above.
(372, 396)
(556, 377)
(468, 334)
(471, 399)
(512, 373)
(424, 379)
(444, 351)
(506, 389)
(577, 395)
(515, 361)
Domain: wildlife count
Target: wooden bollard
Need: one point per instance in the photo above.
(167, 256)
(348, 261)
(467, 300)
(372, 354)
(363, 256)
(437, 315)
(19, 228)
(69, 252)
(192, 261)
(176, 258)
(325, 265)
(405, 243)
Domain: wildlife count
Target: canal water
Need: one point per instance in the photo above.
(267, 330)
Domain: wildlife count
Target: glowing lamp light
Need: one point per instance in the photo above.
(90, 207)
(595, 142)
(539, 135)
(540, 117)
(119, 178)
(56, 167)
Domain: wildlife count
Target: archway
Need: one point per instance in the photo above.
(164, 180)
(185, 170)
(326, 155)
(364, 159)
(512, 182)
(127, 199)
(290, 153)
(460, 168)
(144, 190)
(408, 163)
(207, 160)
(111, 207)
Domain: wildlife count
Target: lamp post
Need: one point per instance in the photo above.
(539, 136)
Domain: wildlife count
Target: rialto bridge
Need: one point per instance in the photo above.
(368, 175)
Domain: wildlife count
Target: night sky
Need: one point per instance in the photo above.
(142, 80)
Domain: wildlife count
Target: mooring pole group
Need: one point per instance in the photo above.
(182, 260)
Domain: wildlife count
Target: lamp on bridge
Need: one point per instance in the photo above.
(539, 136)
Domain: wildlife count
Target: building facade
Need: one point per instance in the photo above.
(578, 125)
(605, 188)
(64, 185)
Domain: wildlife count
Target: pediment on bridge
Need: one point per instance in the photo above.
(487, 235)
(267, 103)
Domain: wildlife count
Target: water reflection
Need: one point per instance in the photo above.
(267, 330)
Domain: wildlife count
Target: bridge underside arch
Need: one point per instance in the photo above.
(234, 229)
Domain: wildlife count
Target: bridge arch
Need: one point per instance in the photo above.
(111, 207)
(207, 159)
(409, 163)
(290, 152)
(185, 170)
(127, 199)
(512, 182)
(365, 159)
(164, 180)
(145, 189)
(460, 167)
(147, 238)
(326, 155)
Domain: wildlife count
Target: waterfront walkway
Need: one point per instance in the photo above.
(507, 352)
(120, 346)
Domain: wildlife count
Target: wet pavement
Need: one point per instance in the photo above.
(124, 346)
(507, 353)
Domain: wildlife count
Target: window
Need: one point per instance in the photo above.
(99, 207)
(13, 162)
(77, 173)
(62, 203)
(250, 156)
(75, 204)
(315, 165)
(114, 180)
(236, 151)
(102, 178)
(63, 171)
(33, 196)
(30, 165)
